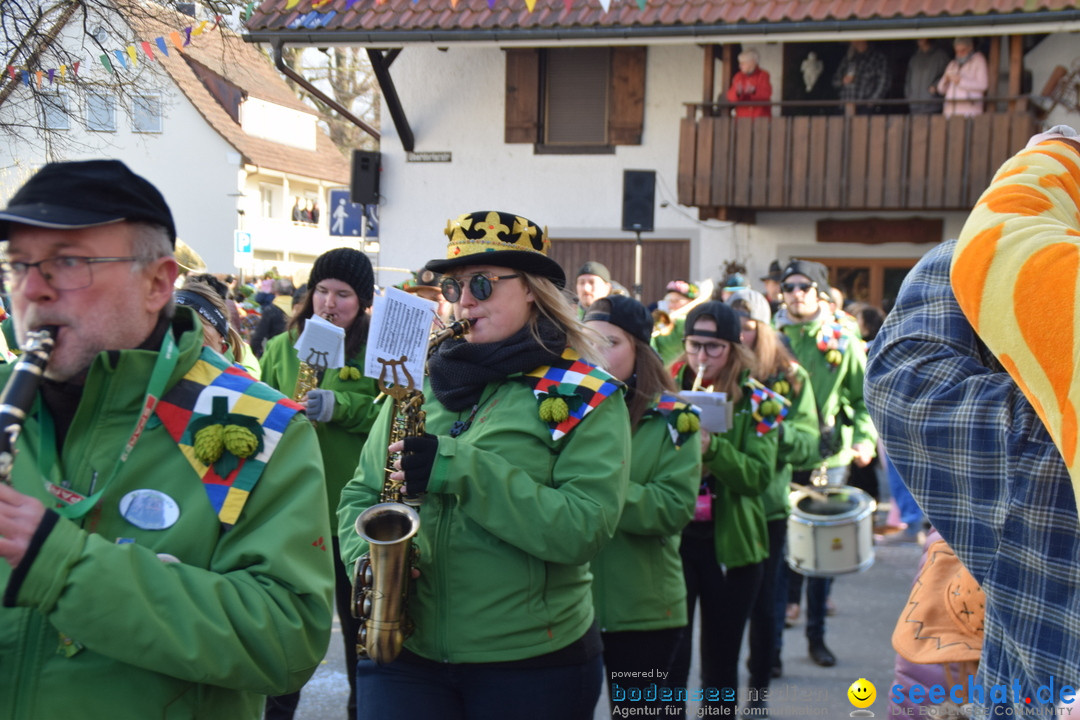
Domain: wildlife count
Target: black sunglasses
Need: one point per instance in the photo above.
(792, 287)
(480, 285)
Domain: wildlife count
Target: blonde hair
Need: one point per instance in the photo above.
(204, 290)
(558, 306)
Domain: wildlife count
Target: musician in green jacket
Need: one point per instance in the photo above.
(523, 475)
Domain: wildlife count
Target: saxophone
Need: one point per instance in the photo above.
(381, 576)
(19, 393)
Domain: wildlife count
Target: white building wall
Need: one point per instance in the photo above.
(455, 101)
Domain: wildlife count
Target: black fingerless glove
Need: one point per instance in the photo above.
(417, 460)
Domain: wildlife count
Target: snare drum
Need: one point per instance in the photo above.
(830, 531)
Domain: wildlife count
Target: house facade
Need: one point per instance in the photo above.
(207, 119)
(540, 112)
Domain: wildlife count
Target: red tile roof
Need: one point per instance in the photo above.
(396, 19)
(244, 66)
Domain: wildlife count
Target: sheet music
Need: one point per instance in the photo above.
(322, 344)
(716, 411)
(400, 326)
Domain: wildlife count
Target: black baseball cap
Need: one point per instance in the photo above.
(84, 194)
(624, 312)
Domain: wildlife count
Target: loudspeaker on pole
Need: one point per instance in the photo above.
(364, 185)
(639, 199)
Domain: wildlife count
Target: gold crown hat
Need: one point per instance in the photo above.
(490, 237)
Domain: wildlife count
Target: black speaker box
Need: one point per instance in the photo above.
(364, 188)
(639, 198)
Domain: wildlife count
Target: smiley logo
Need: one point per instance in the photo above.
(862, 693)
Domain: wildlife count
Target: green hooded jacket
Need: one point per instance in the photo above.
(101, 623)
(838, 389)
(508, 526)
(638, 577)
(742, 464)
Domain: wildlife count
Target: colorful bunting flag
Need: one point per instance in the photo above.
(606, 4)
(133, 55)
(146, 49)
(530, 4)
(52, 75)
(291, 4)
(26, 78)
(120, 56)
(642, 3)
(108, 65)
(187, 36)
(491, 4)
(199, 30)
(568, 4)
(249, 10)
(176, 41)
(11, 71)
(162, 46)
(37, 76)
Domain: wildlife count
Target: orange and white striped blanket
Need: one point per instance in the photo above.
(1016, 276)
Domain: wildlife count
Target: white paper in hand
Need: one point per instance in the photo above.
(715, 409)
(322, 344)
(400, 326)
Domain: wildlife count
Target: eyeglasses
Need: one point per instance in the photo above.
(480, 285)
(67, 272)
(712, 349)
(792, 287)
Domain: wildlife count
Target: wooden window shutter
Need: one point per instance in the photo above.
(522, 95)
(627, 118)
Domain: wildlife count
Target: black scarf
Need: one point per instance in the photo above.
(460, 370)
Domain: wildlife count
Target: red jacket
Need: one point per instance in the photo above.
(754, 86)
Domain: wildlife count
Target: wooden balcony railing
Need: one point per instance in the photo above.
(730, 167)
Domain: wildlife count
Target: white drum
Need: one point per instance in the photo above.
(830, 531)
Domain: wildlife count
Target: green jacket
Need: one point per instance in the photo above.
(798, 444)
(670, 346)
(742, 464)
(510, 522)
(838, 390)
(245, 612)
(638, 577)
(341, 439)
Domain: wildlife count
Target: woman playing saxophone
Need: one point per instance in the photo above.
(340, 289)
(523, 474)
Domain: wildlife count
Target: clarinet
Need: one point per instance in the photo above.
(19, 392)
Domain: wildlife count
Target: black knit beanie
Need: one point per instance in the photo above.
(728, 325)
(349, 266)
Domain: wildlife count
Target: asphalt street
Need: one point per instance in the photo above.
(867, 606)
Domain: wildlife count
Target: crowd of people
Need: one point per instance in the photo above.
(933, 82)
(177, 524)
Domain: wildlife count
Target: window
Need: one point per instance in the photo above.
(100, 112)
(576, 96)
(146, 114)
(54, 111)
(268, 201)
(584, 100)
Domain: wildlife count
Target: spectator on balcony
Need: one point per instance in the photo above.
(863, 74)
(924, 70)
(965, 80)
(751, 83)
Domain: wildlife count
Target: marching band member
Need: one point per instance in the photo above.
(524, 474)
(340, 289)
(797, 443)
(725, 548)
(159, 541)
(638, 587)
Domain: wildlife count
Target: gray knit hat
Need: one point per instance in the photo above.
(752, 304)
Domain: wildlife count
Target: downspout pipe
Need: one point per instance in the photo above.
(632, 32)
(279, 62)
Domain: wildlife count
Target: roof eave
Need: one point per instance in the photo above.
(874, 28)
